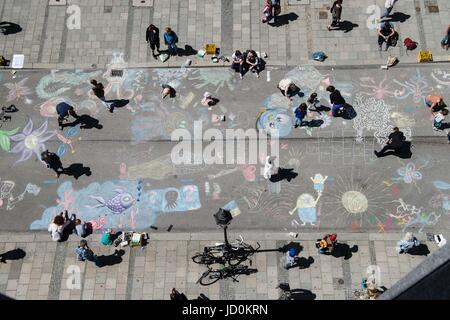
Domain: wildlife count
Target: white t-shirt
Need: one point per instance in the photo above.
(285, 83)
(389, 3)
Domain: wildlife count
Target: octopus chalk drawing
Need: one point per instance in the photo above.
(306, 204)
(117, 204)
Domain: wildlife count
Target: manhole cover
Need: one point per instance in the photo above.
(107, 9)
(116, 73)
(323, 15)
(433, 9)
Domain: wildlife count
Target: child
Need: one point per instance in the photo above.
(438, 119)
(81, 229)
(300, 114)
(208, 100)
(107, 238)
(167, 91)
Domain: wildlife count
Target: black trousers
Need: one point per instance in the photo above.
(388, 147)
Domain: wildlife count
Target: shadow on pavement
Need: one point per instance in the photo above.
(110, 260)
(86, 121)
(284, 19)
(9, 28)
(302, 294)
(77, 170)
(283, 174)
(15, 254)
(420, 250)
(398, 17)
(343, 250)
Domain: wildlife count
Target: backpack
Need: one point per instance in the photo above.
(410, 44)
(319, 56)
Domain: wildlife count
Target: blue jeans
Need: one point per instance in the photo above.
(172, 48)
(387, 12)
(335, 108)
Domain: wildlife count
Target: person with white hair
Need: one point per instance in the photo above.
(269, 168)
(407, 243)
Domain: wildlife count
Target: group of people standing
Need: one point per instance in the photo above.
(170, 39)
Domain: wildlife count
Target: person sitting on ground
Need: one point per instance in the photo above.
(435, 103)
(394, 142)
(407, 243)
(287, 88)
(63, 110)
(238, 63)
(84, 253)
(291, 258)
(208, 100)
(300, 114)
(322, 245)
(445, 43)
(81, 228)
(386, 33)
(253, 62)
(56, 228)
(4, 62)
(438, 122)
(108, 237)
(167, 91)
(336, 100)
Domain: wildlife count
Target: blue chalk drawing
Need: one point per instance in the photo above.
(275, 122)
(441, 185)
(121, 205)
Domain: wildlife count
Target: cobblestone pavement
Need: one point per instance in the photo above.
(166, 263)
(108, 26)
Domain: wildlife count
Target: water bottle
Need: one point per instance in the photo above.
(268, 76)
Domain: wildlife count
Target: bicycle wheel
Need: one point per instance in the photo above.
(234, 259)
(209, 277)
(203, 258)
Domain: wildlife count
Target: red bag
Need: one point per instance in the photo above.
(410, 44)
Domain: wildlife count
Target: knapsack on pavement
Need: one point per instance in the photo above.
(319, 56)
(410, 44)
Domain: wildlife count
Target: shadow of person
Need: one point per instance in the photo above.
(284, 19)
(343, 250)
(119, 103)
(86, 121)
(77, 170)
(283, 174)
(398, 17)
(420, 250)
(187, 51)
(302, 294)
(320, 109)
(15, 254)
(347, 26)
(303, 263)
(110, 260)
(313, 123)
(9, 27)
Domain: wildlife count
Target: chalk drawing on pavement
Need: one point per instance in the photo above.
(7, 197)
(17, 90)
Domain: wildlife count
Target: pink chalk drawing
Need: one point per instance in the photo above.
(377, 90)
(123, 173)
(67, 201)
(249, 172)
(417, 87)
(17, 90)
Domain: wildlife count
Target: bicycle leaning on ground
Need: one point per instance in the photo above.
(211, 276)
(233, 253)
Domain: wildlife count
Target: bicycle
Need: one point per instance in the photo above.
(234, 253)
(211, 276)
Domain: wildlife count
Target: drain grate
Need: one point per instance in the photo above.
(107, 9)
(116, 73)
(323, 15)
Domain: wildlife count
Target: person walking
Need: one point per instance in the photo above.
(394, 143)
(238, 63)
(253, 62)
(267, 12)
(171, 40)
(300, 114)
(336, 11)
(276, 10)
(386, 33)
(388, 7)
(287, 88)
(99, 91)
(152, 38)
(269, 168)
(63, 110)
(53, 162)
(336, 100)
(84, 253)
(445, 42)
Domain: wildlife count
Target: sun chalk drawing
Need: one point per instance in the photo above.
(306, 204)
(355, 202)
(306, 76)
(119, 206)
(17, 90)
(30, 141)
(408, 174)
(374, 115)
(218, 78)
